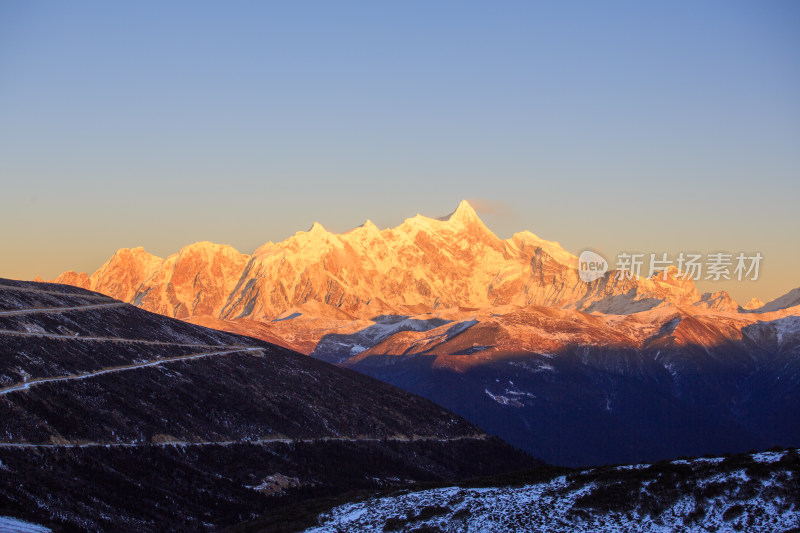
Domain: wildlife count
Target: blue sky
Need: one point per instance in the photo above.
(643, 126)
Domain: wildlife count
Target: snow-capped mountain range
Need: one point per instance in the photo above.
(422, 265)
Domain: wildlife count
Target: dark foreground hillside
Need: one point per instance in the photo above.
(115, 419)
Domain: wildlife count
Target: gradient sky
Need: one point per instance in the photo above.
(620, 126)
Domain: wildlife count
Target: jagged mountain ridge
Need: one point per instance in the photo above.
(646, 386)
(424, 264)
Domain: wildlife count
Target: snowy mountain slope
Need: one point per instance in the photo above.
(12, 525)
(740, 493)
(790, 299)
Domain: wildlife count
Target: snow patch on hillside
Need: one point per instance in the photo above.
(13, 525)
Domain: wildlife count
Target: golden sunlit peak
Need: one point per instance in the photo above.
(463, 213)
(369, 225)
(316, 227)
